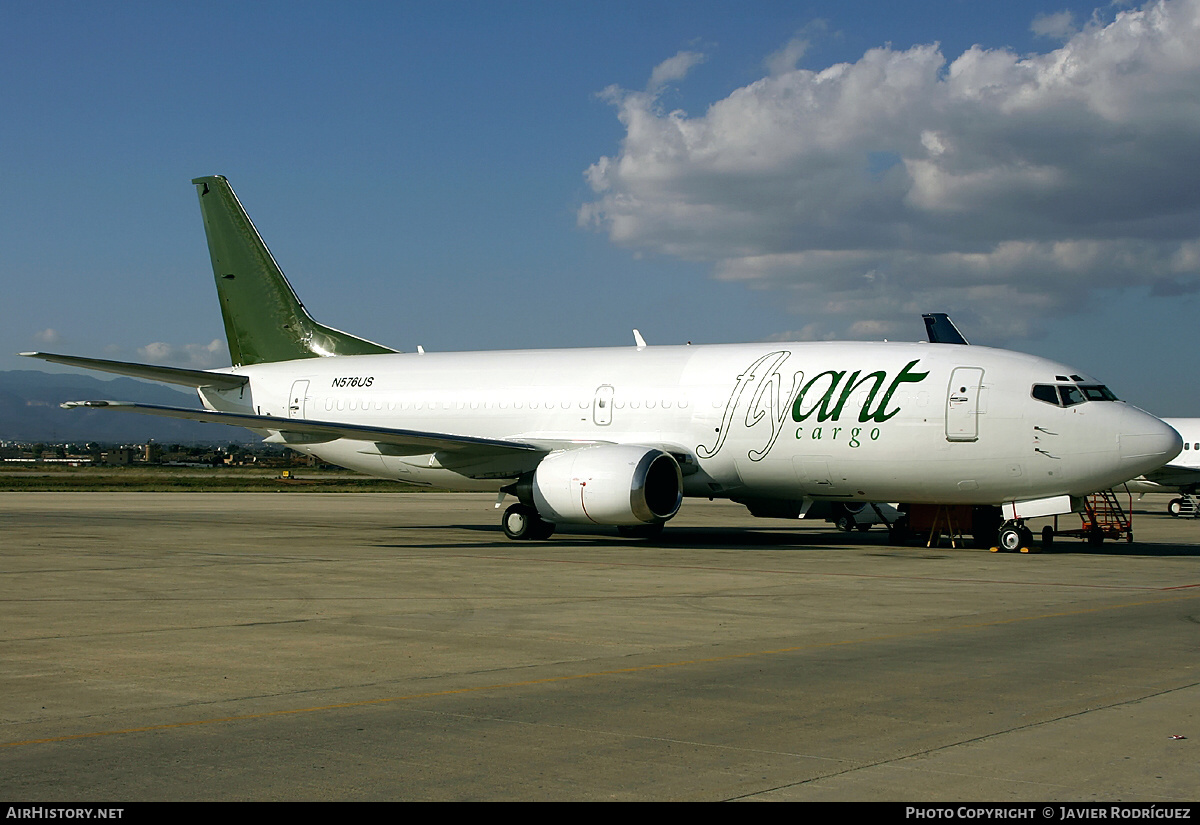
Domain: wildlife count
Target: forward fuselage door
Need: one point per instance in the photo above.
(297, 399)
(962, 404)
(602, 405)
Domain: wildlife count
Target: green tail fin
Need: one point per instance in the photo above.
(264, 320)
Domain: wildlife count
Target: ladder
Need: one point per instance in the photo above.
(1103, 517)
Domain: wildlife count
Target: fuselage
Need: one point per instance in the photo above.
(832, 420)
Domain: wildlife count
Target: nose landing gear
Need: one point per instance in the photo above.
(1014, 537)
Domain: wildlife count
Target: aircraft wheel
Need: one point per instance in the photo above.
(522, 523)
(1010, 538)
(1047, 537)
(845, 523)
(862, 528)
(1175, 507)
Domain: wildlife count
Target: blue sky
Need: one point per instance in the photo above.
(493, 175)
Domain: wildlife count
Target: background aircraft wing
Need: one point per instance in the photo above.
(1174, 475)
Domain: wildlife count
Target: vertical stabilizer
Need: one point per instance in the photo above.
(941, 329)
(264, 320)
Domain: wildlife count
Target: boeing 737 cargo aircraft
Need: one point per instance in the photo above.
(619, 436)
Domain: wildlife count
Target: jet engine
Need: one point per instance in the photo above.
(611, 484)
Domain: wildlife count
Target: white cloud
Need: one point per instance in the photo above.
(786, 58)
(191, 356)
(673, 69)
(1058, 25)
(48, 336)
(1004, 186)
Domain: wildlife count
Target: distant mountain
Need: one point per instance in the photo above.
(29, 411)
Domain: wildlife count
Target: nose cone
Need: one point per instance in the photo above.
(1146, 443)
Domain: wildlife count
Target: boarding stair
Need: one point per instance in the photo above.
(1103, 517)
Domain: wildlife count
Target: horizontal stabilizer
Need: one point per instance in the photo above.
(170, 375)
(418, 442)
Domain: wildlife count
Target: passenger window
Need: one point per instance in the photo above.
(1045, 392)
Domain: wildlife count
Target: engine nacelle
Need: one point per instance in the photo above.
(610, 484)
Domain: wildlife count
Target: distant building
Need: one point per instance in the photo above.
(117, 457)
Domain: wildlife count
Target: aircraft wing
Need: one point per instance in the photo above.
(169, 375)
(1175, 475)
(302, 431)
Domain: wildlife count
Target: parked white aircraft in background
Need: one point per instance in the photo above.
(619, 436)
(1181, 475)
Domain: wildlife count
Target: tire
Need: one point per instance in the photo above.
(1047, 537)
(522, 523)
(862, 528)
(1009, 539)
(845, 523)
(1175, 507)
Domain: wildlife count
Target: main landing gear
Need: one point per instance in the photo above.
(522, 523)
(1184, 506)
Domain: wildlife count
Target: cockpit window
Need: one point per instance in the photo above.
(1045, 392)
(1070, 394)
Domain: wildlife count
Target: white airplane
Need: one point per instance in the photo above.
(1181, 475)
(619, 436)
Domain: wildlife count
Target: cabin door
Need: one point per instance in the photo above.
(602, 405)
(962, 404)
(297, 399)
